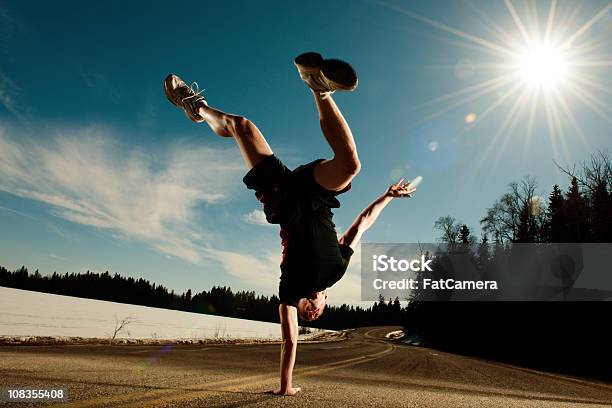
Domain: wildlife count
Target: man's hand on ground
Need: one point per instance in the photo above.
(289, 391)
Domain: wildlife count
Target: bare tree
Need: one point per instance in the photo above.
(450, 229)
(503, 219)
(592, 173)
(120, 325)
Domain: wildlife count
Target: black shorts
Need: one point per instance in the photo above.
(312, 257)
(280, 189)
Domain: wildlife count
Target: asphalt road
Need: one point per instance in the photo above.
(363, 370)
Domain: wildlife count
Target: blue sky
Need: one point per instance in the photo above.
(98, 171)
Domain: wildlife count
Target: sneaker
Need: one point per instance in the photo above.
(325, 75)
(185, 97)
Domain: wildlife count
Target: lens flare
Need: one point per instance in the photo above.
(541, 62)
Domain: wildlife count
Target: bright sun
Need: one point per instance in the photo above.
(543, 66)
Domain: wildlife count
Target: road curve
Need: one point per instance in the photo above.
(365, 369)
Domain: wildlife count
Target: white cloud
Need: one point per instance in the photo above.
(10, 210)
(8, 91)
(10, 27)
(256, 217)
(263, 274)
(102, 86)
(89, 178)
(58, 257)
(258, 273)
(348, 289)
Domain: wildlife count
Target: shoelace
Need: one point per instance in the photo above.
(326, 94)
(317, 80)
(195, 92)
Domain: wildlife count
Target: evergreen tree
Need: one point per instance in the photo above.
(576, 213)
(464, 234)
(601, 213)
(498, 250)
(483, 256)
(526, 226)
(555, 217)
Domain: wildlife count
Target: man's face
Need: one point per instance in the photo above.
(312, 306)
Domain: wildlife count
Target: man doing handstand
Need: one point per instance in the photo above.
(300, 200)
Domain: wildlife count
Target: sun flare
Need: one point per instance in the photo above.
(536, 70)
(543, 66)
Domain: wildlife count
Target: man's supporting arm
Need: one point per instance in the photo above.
(289, 335)
(370, 214)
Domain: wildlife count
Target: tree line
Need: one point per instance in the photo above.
(570, 337)
(583, 213)
(219, 300)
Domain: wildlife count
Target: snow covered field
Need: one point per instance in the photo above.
(27, 313)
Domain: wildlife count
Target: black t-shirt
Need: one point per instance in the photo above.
(313, 260)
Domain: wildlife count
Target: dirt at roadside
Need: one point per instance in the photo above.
(49, 340)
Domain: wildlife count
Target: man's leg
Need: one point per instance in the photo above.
(337, 173)
(252, 144)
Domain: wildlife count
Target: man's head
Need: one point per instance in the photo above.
(311, 307)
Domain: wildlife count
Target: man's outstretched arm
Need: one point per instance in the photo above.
(289, 335)
(370, 214)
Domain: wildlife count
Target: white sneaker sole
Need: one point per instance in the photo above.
(331, 74)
